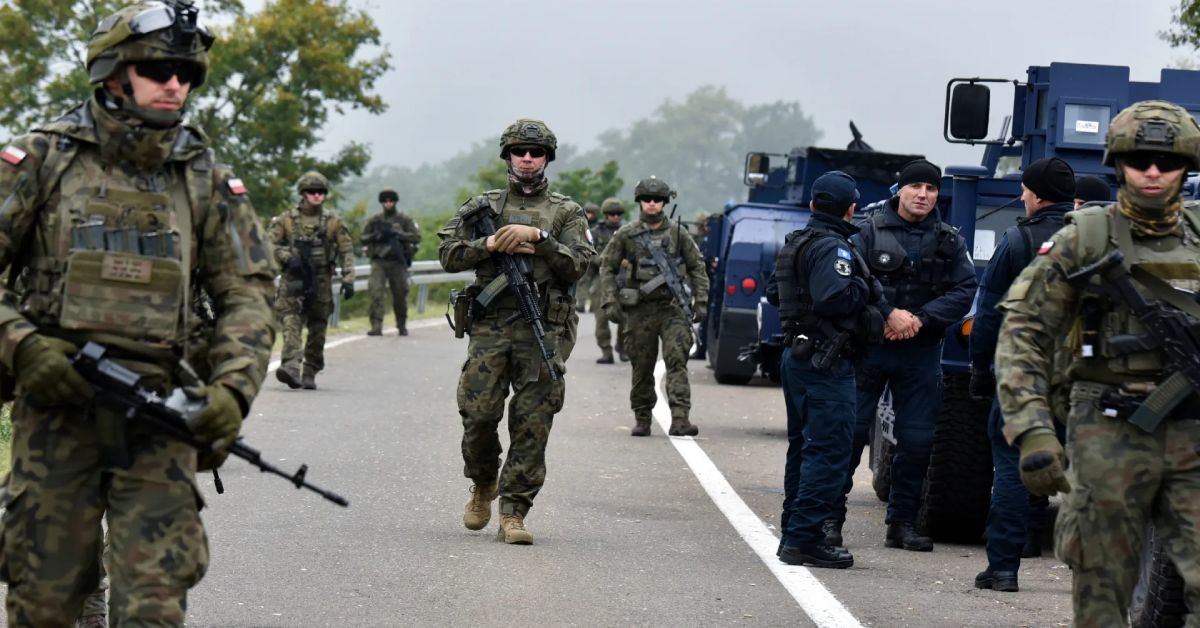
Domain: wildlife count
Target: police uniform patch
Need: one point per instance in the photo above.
(842, 267)
(236, 186)
(13, 155)
(1046, 246)
(884, 258)
(844, 253)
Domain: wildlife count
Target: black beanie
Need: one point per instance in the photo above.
(1092, 189)
(1052, 179)
(920, 171)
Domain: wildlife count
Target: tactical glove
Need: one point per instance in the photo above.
(612, 310)
(219, 423)
(1042, 463)
(294, 266)
(699, 312)
(347, 290)
(44, 373)
(982, 385)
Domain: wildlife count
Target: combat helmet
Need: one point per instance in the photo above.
(1154, 125)
(312, 180)
(612, 205)
(149, 31)
(528, 132)
(388, 194)
(652, 186)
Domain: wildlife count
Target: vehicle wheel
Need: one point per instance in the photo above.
(882, 449)
(958, 484)
(1158, 600)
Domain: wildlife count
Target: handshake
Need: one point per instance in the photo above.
(901, 325)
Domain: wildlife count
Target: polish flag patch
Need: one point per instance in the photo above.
(1046, 246)
(236, 186)
(13, 155)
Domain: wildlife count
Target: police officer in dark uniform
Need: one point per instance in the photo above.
(928, 282)
(1048, 192)
(822, 287)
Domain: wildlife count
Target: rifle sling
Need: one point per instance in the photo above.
(494, 289)
(653, 284)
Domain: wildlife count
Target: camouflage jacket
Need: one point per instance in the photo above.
(69, 171)
(380, 243)
(624, 247)
(336, 247)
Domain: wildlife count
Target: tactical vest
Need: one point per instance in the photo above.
(795, 296)
(602, 234)
(511, 210)
(1024, 240)
(112, 259)
(644, 270)
(1175, 259)
(909, 284)
(324, 248)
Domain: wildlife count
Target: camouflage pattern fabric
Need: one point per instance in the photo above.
(96, 603)
(302, 223)
(57, 490)
(585, 288)
(1122, 478)
(602, 234)
(648, 324)
(388, 278)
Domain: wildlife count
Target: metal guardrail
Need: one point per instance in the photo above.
(421, 274)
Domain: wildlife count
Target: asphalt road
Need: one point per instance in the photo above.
(627, 531)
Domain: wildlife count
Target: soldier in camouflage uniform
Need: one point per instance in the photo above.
(391, 238)
(650, 313)
(310, 241)
(1120, 477)
(122, 163)
(601, 235)
(586, 285)
(502, 354)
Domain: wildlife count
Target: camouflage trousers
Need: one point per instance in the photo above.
(1123, 479)
(55, 497)
(646, 325)
(587, 290)
(296, 350)
(501, 356)
(388, 277)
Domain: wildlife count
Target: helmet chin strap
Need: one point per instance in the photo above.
(153, 117)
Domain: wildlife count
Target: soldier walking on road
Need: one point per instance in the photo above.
(651, 312)
(928, 282)
(602, 234)
(827, 302)
(1047, 190)
(585, 287)
(549, 232)
(310, 242)
(106, 257)
(1130, 326)
(391, 238)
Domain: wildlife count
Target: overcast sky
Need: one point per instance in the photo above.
(464, 69)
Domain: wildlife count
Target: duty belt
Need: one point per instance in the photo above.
(1122, 401)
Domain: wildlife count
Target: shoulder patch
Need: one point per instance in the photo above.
(236, 186)
(1046, 246)
(841, 266)
(844, 253)
(13, 155)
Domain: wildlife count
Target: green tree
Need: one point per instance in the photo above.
(586, 185)
(1185, 25)
(490, 177)
(275, 76)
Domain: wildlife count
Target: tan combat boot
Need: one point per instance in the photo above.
(309, 381)
(641, 428)
(512, 530)
(680, 426)
(289, 376)
(479, 510)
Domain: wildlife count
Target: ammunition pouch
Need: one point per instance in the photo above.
(560, 308)
(135, 296)
(628, 297)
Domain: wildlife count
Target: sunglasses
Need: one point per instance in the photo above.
(161, 71)
(316, 192)
(651, 199)
(532, 151)
(1166, 162)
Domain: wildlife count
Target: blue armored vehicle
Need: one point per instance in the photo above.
(744, 335)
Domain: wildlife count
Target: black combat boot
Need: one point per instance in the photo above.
(309, 381)
(606, 358)
(641, 428)
(680, 426)
(289, 376)
(833, 532)
(905, 535)
(1003, 581)
(402, 330)
(820, 555)
(375, 331)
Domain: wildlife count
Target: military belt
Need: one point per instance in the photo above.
(1119, 403)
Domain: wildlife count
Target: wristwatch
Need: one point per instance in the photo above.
(543, 235)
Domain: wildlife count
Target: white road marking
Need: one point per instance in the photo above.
(815, 600)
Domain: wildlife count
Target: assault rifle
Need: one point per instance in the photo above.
(681, 291)
(121, 388)
(1168, 329)
(386, 235)
(308, 274)
(519, 275)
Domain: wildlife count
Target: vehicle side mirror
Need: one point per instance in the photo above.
(758, 166)
(970, 106)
